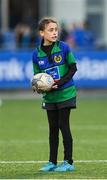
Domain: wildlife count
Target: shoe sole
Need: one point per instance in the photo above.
(52, 169)
(63, 170)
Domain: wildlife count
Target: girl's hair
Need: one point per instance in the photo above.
(46, 20)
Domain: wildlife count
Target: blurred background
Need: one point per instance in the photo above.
(83, 25)
(23, 125)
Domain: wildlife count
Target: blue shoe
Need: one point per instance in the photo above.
(64, 166)
(48, 167)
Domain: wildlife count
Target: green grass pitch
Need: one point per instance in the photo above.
(24, 140)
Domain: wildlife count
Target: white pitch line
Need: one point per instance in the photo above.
(40, 162)
(24, 142)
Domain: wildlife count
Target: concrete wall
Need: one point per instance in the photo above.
(68, 10)
(105, 22)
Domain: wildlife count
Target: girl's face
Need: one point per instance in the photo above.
(50, 33)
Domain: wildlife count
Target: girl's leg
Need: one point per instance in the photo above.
(66, 133)
(53, 134)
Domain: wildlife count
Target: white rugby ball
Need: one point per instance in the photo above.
(43, 81)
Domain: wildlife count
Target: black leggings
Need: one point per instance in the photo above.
(59, 119)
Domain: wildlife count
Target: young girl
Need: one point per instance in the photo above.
(55, 58)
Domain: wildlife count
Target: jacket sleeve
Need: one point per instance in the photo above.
(71, 62)
(69, 75)
(36, 68)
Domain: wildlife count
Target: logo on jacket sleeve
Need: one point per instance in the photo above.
(41, 62)
(58, 59)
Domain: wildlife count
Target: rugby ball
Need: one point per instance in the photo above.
(42, 81)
